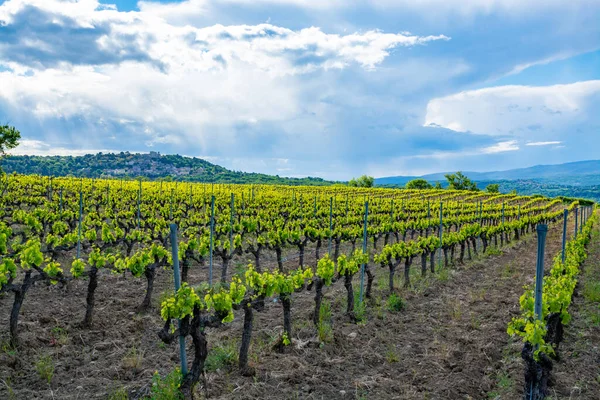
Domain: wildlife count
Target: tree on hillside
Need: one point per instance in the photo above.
(438, 185)
(493, 188)
(9, 139)
(459, 181)
(363, 181)
(418, 184)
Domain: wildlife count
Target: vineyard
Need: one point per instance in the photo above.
(272, 291)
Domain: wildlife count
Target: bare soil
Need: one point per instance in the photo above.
(449, 341)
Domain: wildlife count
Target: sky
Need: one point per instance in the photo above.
(329, 88)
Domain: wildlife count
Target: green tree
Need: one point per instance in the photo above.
(418, 184)
(9, 139)
(459, 181)
(493, 188)
(363, 181)
(438, 185)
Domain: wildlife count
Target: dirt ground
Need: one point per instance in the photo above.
(449, 341)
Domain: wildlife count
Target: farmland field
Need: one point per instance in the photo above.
(287, 292)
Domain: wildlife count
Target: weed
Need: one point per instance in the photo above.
(479, 294)
(59, 336)
(325, 329)
(475, 322)
(118, 394)
(221, 357)
(595, 318)
(508, 270)
(9, 389)
(456, 311)
(505, 382)
(382, 282)
(591, 291)
(360, 309)
(8, 348)
(395, 303)
(133, 359)
(45, 368)
(443, 274)
(166, 388)
(492, 251)
(391, 356)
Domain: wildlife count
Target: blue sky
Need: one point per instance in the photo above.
(330, 88)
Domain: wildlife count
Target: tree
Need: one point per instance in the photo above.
(418, 184)
(459, 181)
(438, 185)
(493, 188)
(363, 181)
(9, 139)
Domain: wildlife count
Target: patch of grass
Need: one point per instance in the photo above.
(505, 382)
(45, 368)
(479, 294)
(8, 348)
(395, 303)
(456, 312)
(382, 282)
(595, 317)
(222, 357)
(391, 356)
(443, 274)
(303, 323)
(60, 336)
(118, 394)
(360, 309)
(591, 291)
(492, 251)
(508, 270)
(325, 329)
(133, 359)
(166, 388)
(361, 394)
(420, 283)
(9, 390)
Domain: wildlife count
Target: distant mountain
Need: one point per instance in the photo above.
(152, 166)
(584, 173)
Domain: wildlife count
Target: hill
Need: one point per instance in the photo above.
(152, 166)
(586, 173)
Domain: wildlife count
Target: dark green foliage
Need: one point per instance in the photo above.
(418, 184)
(363, 181)
(9, 138)
(458, 181)
(493, 188)
(153, 166)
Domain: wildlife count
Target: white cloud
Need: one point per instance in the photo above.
(41, 148)
(500, 147)
(518, 111)
(175, 80)
(543, 143)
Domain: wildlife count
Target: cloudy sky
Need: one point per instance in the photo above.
(331, 88)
